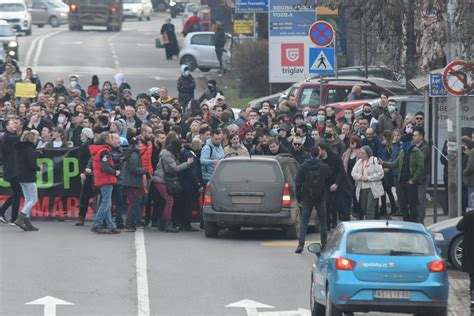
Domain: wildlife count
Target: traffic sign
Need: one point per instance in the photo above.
(436, 87)
(321, 33)
(322, 60)
(457, 78)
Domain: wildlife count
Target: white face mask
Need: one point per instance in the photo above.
(186, 73)
(61, 119)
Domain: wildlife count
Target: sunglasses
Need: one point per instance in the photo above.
(297, 144)
(418, 118)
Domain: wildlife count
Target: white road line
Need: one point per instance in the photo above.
(40, 46)
(31, 50)
(142, 277)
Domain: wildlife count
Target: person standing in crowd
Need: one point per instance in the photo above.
(420, 119)
(368, 175)
(93, 89)
(331, 138)
(169, 165)
(388, 179)
(468, 174)
(312, 180)
(373, 142)
(134, 182)
(349, 159)
(192, 24)
(211, 91)
(297, 150)
(172, 48)
(87, 138)
(410, 162)
(424, 148)
(235, 148)
(27, 178)
(186, 86)
(219, 44)
(389, 119)
(105, 177)
(212, 152)
(10, 140)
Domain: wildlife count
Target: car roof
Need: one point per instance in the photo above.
(382, 224)
(259, 158)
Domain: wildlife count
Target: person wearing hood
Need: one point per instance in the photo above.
(219, 45)
(410, 163)
(311, 181)
(27, 177)
(171, 48)
(186, 86)
(211, 91)
(119, 79)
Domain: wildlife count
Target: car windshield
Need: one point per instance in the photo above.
(11, 7)
(389, 243)
(56, 4)
(6, 30)
(242, 171)
(310, 97)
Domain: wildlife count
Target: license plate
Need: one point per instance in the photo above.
(396, 295)
(246, 199)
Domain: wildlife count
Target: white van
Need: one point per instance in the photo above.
(16, 14)
(137, 9)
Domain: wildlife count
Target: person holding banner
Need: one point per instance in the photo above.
(27, 177)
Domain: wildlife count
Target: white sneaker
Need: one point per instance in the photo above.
(3, 220)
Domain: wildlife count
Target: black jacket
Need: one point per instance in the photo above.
(189, 178)
(310, 164)
(10, 155)
(27, 161)
(84, 155)
(466, 225)
(219, 39)
(186, 86)
(300, 155)
(338, 173)
(132, 171)
(43, 122)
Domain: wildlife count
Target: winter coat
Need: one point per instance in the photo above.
(84, 155)
(132, 171)
(466, 225)
(338, 175)
(189, 178)
(241, 151)
(300, 155)
(387, 123)
(168, 163)
(103, 165)
(210, 94)
(375, 145)
(337, 146)
(468, 172)
(186, 86)
(10, 155)
(416, 164)
(207, 158)
(426, 151)
(308, 165)
(375, 174)
(27, 162)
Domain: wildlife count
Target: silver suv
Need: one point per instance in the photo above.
(257, 191)
(52, 12)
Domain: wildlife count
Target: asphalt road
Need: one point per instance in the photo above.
(147, 272)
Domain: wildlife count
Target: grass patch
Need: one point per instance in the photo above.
(231, 88)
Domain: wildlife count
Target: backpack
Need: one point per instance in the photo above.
(210, 153)
(314, 184)
(195, 27)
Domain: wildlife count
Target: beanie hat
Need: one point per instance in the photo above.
(88, 132)
(11, 86)
(119, 125)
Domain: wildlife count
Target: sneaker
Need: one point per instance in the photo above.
(113, 231)
(98, 230)
(189, 229)
(141, 225)
(300, 248)
(3, 220)
(129, 229)
(121, 226)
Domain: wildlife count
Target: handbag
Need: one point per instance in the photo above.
(164, 39)
(172, 181)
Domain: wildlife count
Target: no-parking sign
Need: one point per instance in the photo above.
(458, 78)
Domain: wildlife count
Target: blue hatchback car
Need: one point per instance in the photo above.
(384, 266)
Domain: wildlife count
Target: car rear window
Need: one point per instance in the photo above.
(310, 97)
(389, 243)
(237, 171)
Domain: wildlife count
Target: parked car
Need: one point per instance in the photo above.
(198, 51)
(449, 240)
(380, 266)
(273, 98)
(372, 72)
(52, 12)
(335, 90)
(186, 8)
(257, 191)
(8, 40)
(137, 9)
(16, 14)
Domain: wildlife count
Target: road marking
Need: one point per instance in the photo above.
(250, 306)
(49, 303)
(142, 277)
(40, 46)
(145, 45)
(31, 50)
(74, 43)
(285, 243)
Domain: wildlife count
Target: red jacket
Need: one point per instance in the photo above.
(101, 159)
(145, 154)
(189, 22)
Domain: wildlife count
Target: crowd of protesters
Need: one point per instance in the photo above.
(155, 152)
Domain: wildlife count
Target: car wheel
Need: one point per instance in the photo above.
(293, 231)
(316, 308)
(28, 32)
(204, 69)
(331, 310)
(190, 61)
(455, 252)
(210, 229)
(54, 21)
(40, 25)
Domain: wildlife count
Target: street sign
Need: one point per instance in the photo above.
(321, 33)
(458, 78)
(251, 6)
(436, 87)
(322, 60)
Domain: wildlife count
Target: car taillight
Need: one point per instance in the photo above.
(286, 199)
(436, 266)
(114, 9)
(207, 195)
(73, 7)
(345, 264)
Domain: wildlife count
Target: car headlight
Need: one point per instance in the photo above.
(11, 53)
(437, 236)
(12, 44)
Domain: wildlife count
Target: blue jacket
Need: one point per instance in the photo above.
(209, 153)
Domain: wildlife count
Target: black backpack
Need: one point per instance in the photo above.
(314, 184)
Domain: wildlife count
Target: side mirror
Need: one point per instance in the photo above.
(315, 248)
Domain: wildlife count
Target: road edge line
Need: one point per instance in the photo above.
(39, 48)
(142, 274)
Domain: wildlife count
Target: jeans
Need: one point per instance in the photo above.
(169, 201)
(368, 204)
(393, 204)
(104, 210)
(320, 206)
(219, 53)
(13, 200)
(408, 200)
(134, 198)
(338, 204)
(117, 198)
(30, 192)
(470, 197)
(422, 188)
